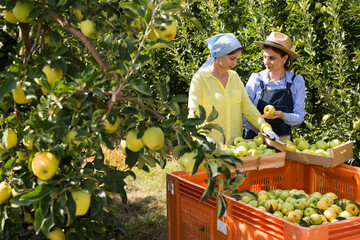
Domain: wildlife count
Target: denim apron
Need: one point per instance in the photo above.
(282, 100)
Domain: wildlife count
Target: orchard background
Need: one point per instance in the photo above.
(122, 76)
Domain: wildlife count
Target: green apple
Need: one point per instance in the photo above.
(262, 208)
(313, 201)
(290, 147)
(88, 28)
(321, 144)
(318, 5)
(238, 139)
(309, 211)
(330, 214)
(258, 140)
(132, 142)
(5, 192)
(52, 74)
(298, 139)
(269, 110)
(308, 151)
(316, 195)
(79, 16)
(167, 32)
(245, 144)
(334, 143)
(9, 16)
(315, 219)
(22, 11)
(322, 204)
(278, 213)
(321, 152)
(246, 199)
(241, 151)
(303, 145)
(284, 194)
(271, 203)
(352, 208)
(336, 208)
(187, 161)
(154, 138)
(287, 207)
(252, 145)
(254, 203)
(293, 216)
(345, 214)
(269, 151)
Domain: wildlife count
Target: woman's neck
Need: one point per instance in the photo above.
(219, 73)
(277, 76)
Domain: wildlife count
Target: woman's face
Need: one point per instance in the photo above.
(227, 62)
(273, 61)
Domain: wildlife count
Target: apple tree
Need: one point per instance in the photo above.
(72, 84)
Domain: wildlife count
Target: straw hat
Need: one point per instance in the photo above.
(280, 41)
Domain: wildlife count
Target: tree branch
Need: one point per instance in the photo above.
(66, 25)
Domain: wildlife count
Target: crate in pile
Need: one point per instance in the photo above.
(337, 155)
(188, 218)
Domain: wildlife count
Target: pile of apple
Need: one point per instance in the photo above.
(301, 208)
(320, 148)
(243, 148)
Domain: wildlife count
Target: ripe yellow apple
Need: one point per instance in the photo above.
(345, 214)
(154, 138)
(5, 192)
(152, 34)
(9, 138)
(123, 146)
(132, 142)
(88, 28)
(19, 95)
(352, 208)
(253, 152)
(187, 161)
(167, 32)
(79, 16)
(241, 151)
(111, 128)
(82, 200)
(44, 165)
(330, 214)
(56, 234)
(321, 152)
(269, 110)
(9, 16)
(293, 216)
(52, 74)
(356, 124)
(290, 147)
(22, 11)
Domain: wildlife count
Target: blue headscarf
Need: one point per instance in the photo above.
(219, 46)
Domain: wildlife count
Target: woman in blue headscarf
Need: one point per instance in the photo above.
(216, 85)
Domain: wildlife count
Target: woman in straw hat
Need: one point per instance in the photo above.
(277, 86)
(216, 85)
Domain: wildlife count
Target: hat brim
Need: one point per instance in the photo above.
(290, 52)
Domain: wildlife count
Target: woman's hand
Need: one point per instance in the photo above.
(277, 114)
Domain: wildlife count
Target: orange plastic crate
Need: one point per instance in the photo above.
(188, 218)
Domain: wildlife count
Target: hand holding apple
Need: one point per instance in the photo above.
(269, 110)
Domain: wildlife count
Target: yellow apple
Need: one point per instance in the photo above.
(111, 128)
(269, 110)
(241, 151)
(154, 138)
(5, 192)
(152, 34)
(44, 165)
(88, 28)
(22, 11)
(187, 161)
(132, 142)
(82, 200)
(9, 16)
(19, 95)
(123, 146)
(28, 142)
(316, 219)
(56, 234)
(352, 208)
(9, 138)
(330, 214)
(167, 32)
(356, 124)
(52, 74)
(79, 16)
(290, 147)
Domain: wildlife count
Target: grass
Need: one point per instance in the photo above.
(145, 213)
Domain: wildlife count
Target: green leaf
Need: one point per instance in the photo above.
(135, 8)
(99, 160)
(140, 85)
(6, 85)
(158, 43)
(213, 115)
(39, 192)
(70, 208)
(191, 18)
(221, 205)
(209, 191)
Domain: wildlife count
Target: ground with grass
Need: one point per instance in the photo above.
(145, 213)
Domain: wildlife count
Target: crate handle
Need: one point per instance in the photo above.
(343, 151)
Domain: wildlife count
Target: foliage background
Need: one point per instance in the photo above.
(326, 40)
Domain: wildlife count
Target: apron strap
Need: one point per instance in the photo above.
(288, 84)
